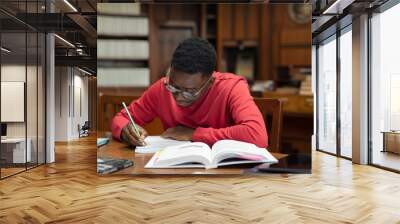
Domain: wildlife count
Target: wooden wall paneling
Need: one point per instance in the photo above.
(225, 22)
(298, 36)
(203, 21)
(240, 20)
(277, 20)
(253, 21)
(173, 33)
(296, 56)
(223, 32)
(169, 24)
(291, 42)
(265, 51)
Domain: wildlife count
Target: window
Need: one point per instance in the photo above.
(327, 96)
(22, 75)
(385, 86)
(346, 93)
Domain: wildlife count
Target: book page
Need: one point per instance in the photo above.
(183, 154)
(156, 143)
(225, 149)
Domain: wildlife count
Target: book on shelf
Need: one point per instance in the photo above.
(123, 49)
(127, 77)
(138, 26)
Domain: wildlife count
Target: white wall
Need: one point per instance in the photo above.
(33, 127)
(16, 73)
(70, 83)
(61, 103)
(79, 117)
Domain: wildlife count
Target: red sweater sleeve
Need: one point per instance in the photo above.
(249, 125)
(142, 110)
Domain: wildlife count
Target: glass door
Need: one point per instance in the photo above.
(385, 89)
(22, 77)
(14, 153)
(326, 100)
(345, 42)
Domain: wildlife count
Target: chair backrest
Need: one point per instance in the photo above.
(273, 108)
(86, 125)
(109, 105)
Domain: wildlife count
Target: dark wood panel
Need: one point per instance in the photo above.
(265, 60)
(290, 37)
(253, 21)
(240, 25)
(300, 56)
(169, 25)
(172, 35)
(290, 40)
(225, 22)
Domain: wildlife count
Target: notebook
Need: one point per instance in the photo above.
(200, 155)
(102, 141)
(156, 143)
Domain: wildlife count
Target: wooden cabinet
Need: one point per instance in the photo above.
(293, 103)
(297, 123)
(238, 38)
(239, 22)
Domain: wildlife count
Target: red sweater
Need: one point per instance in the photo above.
(225, 111)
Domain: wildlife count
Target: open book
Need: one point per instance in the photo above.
(199, 155)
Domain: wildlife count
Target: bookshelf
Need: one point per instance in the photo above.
(208, 20)
(123, 46)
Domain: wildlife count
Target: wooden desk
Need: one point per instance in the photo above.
(391, 141)
(297, 122)
(119, 150)
(14, 152)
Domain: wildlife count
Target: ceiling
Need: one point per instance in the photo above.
(72, 20)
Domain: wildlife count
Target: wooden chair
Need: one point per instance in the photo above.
(109, 105)
(273, 108)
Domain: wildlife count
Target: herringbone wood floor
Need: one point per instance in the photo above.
(69, 191)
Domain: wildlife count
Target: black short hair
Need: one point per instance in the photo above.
(194, 55)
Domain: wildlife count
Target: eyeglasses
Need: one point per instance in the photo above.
(187, 95)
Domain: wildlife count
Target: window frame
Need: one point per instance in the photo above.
(378, 10)
(341, 27)
(44, 41)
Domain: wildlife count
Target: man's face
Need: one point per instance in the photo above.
(190, 83)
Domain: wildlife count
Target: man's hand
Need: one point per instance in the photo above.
(179, 133)
(128, 135)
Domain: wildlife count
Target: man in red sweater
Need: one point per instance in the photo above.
(195, 103)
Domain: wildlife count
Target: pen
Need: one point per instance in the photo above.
(136, 130)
